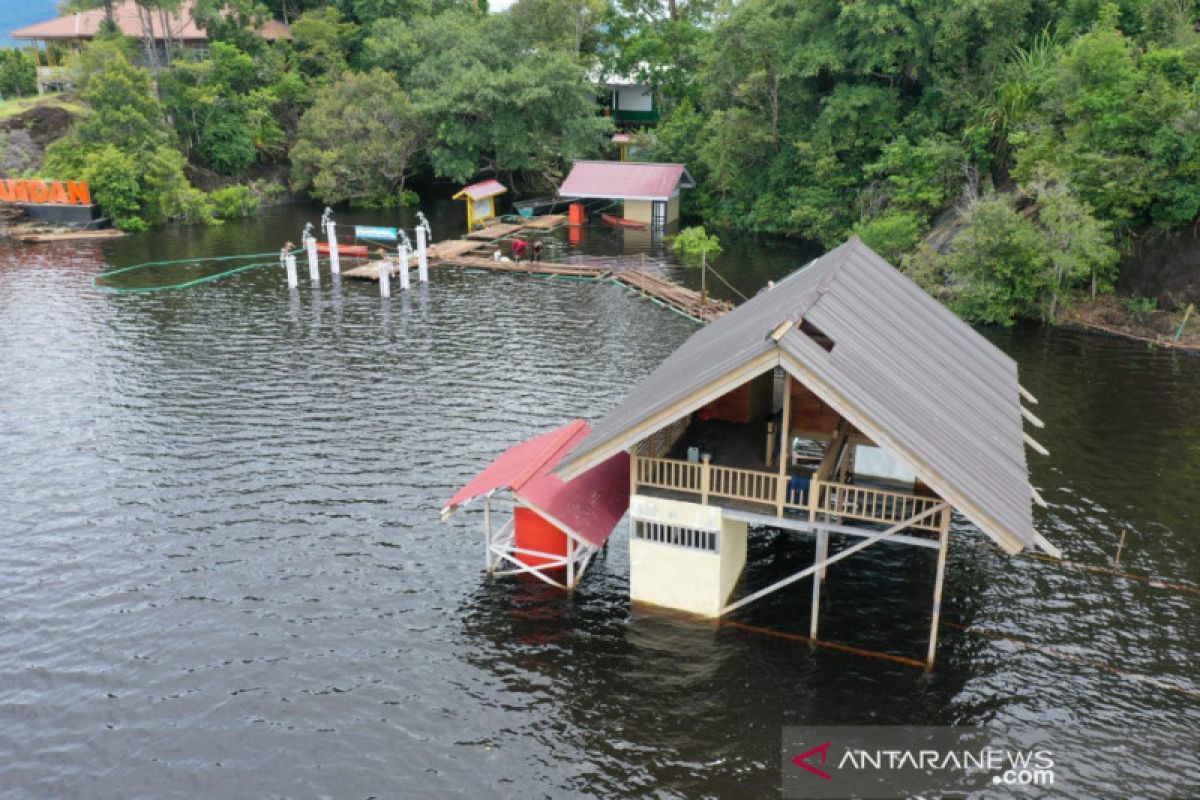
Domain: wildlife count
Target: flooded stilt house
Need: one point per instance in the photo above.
(842, 403)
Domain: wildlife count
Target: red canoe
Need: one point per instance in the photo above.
(344, 249)
(621, 222)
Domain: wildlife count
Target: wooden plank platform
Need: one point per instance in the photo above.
(495, 231)
(546, 222)
(450, 248)
(468, 253)
(73, 236)
(527, 267)
(680, 298)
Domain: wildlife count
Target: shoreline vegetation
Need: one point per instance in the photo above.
(1013, 158)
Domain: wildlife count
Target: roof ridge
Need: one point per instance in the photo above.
(827, 281)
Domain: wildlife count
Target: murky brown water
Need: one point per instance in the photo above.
(223, 575)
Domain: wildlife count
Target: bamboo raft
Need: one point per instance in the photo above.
(686, 301)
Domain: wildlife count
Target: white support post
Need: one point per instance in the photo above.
(422, 256)
(570, 562)
(705, 478)
(487, 534)
(310, 246)
(385, 278)
(944, 544)
(404, 277)
(849, 551)
(335, 263)
(314, 274)
(289, 263)
(818, 576)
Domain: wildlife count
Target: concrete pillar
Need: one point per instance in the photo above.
(385, 278)
(422, 256)
(289, 263)
(335, 264)
(314, 274)
(404, 256)
(310, 247)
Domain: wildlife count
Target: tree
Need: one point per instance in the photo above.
(1077, 244)
(360, 141)
(123, 145)
(496, 109)
(694, 247)
(219, 114)
(323, 39)
(1008, 264)
(18, 75)
(998, 265)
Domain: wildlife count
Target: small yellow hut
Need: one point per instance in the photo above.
(481, 201)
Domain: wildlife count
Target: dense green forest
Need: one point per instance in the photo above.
(1052, 132)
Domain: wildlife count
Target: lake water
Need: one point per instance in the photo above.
(223, 573)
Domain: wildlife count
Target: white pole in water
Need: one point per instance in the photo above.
(404, 256)
(335, 264)
(310, 245)
(289, 263)
(385, 277)
(314, 274)
(422, 256)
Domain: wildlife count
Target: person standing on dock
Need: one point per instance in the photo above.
(519, 246)
(537, 251)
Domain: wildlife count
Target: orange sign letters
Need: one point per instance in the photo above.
(38, 192)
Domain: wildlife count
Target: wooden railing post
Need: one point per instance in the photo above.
(705, 478)
(785, 455)
(814, 494)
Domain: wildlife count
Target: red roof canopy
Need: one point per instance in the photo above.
(619, 180)
(588, 506)
(478, 191)
(86, 24)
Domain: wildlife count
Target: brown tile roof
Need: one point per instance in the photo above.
(86, 24)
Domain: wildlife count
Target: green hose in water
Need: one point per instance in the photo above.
(96, 281)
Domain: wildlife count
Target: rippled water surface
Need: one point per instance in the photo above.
(223, 574)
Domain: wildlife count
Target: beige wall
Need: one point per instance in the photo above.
(673, 209)
(638, 210)
(681, 578)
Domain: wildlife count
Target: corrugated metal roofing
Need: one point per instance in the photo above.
(478, 191)
(589, 505)
(903, 369)
(616, 180)
(86, 24)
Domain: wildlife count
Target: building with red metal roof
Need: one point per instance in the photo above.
(649, 192)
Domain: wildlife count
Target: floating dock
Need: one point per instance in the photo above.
(469, 253)
(70, 236)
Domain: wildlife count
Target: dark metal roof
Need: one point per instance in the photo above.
(903, 369)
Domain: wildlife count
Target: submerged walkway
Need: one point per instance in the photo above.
(468, 253)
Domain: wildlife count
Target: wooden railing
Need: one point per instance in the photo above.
(826, 498)
(743, 484)
(874, 505)
(668, 473)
